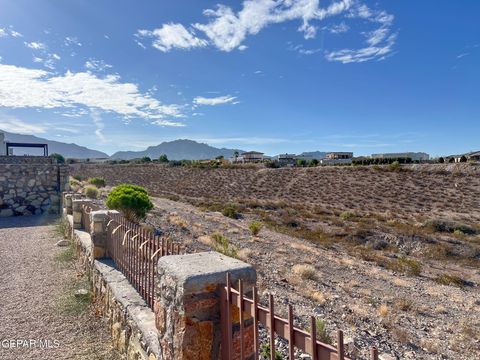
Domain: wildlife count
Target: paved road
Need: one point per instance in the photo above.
(33, 322)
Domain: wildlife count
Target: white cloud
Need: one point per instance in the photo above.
(24, 87)
(19, 126)
(97, 65)
(35, 45)
(168, 123)
(99, 125)
(72, 40)
(172, 36)
(227, 29)
(4, 32)
(219, 100)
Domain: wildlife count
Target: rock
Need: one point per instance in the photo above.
(6, 212)
(80, 293)
(386, 357)
(63, 242)
(31, 183)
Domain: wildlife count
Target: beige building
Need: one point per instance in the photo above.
(339, 155)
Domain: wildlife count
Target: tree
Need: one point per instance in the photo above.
(441, 160)
(314, 162)
(220, 157)
(301, 162)
(163, 158)
(463, 158)
(131, 200)
(145, 159)
(60, 159)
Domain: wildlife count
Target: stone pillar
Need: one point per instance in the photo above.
(77, 212)
(67, 203)
(99, 232)
(187, 302)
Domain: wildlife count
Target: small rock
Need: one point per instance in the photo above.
(386, 357)
(81, 293)
(63, 242)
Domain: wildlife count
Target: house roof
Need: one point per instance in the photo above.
(252, 153)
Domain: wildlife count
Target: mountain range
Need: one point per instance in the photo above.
(68, 150)
(181, 149)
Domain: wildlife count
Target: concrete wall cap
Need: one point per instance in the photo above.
(99, 214)
(196, 272)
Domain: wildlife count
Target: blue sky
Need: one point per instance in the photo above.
(276, 76)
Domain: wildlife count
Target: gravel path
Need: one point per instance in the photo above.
(37, 302)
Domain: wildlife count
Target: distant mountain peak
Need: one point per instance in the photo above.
(180, 149)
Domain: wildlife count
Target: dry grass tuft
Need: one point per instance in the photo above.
(318, 297)
(452, 280)
(383, 310)
(305, 271)
(244, 254)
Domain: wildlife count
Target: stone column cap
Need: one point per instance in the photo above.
(204, 271)
(99, 214)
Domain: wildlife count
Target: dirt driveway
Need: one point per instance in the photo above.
(40, 317)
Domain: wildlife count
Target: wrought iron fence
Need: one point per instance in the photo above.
(236, 347)
(136, 251)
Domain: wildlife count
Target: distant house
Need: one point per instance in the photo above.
(286, 159)
(415, 156)
(339, 155)
(473, 156)
(337, 158)
(251, 157)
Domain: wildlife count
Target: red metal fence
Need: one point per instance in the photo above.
(234, 346)
(136, 252)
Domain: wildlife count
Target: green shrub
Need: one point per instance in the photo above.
(314, 162)
(265, 352)
(60, 159)
(222, 245)
(131, 200)
(406, 266)
(231, 211)
(446, 279)
(348, 215)
(449, 226)
(322, 333)
(91, 192)
(97, 181)
(395, 166)
(255, 227)
(163, 158)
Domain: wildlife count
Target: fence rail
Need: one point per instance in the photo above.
(306, 341)
(136, 251)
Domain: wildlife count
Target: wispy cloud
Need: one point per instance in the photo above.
(72, 40)
(35, 45)
(97, 65)
(7, 32)
(99, 125)
(18, 126)
(212, 101)
(462, 55)
(22, 87)
(227, 29)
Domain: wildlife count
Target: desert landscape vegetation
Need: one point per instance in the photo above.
(389, 254)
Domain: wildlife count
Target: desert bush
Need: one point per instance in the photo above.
(77, 177)
(404, 304)
(394, 166)
(255, 227)
(405, 265)
(91, 192)
(305, 271)
(231, 211)
(383, 310)
(265, 352)
(131, 200)
(222, 245)
(97, 181)
(317, 297)
(322, 333)
(348, 215)
(449, 226)
(58, 157)
(447, 279)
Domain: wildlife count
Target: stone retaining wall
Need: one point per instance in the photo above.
(46, 160)
(31, 188)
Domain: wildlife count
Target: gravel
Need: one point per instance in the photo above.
(33, 283)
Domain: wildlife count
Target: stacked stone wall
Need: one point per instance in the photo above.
(28, 188)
